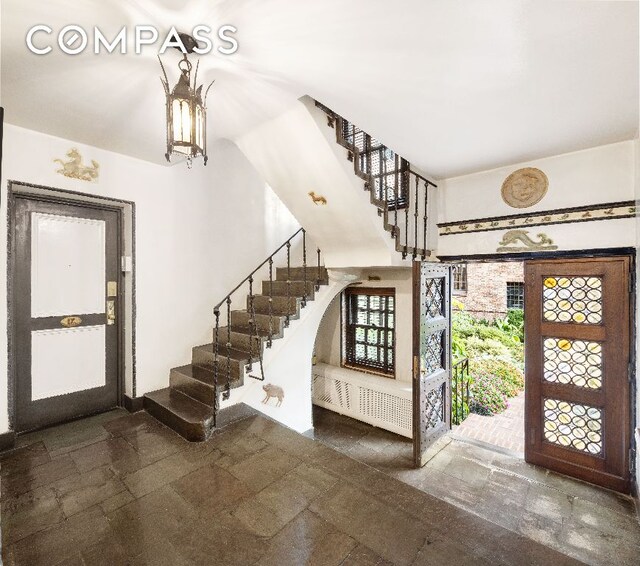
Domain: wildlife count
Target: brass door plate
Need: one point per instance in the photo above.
(112, 288)
(71, 321)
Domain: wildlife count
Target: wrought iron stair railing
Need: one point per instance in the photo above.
(311, 278)
(460, 395)
(400, 194)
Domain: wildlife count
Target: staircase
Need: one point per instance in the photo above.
(400, 194)
(190, 405)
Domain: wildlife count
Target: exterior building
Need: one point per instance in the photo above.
(488, 289)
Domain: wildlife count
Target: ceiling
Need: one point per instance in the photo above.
(455, 86)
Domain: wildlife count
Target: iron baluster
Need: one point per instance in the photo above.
(467, 382)
(367, 155)
(270, 338)
(216, 346)
(227, 388)
(415, 221)
(304, 271)
(318, 277)
(288, 319)
(460, 397)
(457, 393)
(405, 175)
(254, 329)
(395, 195)
(424, 220)
(252, 319)
(383, 184)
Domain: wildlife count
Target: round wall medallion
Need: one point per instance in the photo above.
(524, 187)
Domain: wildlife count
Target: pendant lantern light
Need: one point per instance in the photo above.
(186, 110)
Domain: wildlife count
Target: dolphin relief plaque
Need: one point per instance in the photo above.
(524, 187)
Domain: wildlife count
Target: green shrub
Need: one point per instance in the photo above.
(502, 338)
(515, 317)
(486, 395)
(478, 348)
(510, 379)
(496, 354)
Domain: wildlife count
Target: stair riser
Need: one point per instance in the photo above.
(298, 274)
(296, 289)
(194, 432)
(192, 388)
(278, 305)
(205, 359)
(239, 340)
(241, 318)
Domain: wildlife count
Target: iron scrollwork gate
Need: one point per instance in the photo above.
(432, 355)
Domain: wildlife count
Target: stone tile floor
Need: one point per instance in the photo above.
(120, 489)
(505, 430)
(593, 525)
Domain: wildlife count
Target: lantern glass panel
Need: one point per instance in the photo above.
(181, 121)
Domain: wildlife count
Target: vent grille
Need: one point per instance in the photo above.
(365, 403)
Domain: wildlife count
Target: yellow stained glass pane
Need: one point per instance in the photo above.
(572, 299)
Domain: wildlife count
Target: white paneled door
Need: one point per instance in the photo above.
(66, 303)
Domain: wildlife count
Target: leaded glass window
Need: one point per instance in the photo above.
(369, 329)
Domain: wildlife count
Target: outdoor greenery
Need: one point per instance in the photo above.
(496, 359)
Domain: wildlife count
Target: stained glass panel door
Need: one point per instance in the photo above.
(431, 355)
(577, 324)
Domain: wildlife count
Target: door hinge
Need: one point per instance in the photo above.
(632, 460)
(630, 372)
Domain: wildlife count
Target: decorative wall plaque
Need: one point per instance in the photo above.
(273, 391)
(519, 241)
(317, 199)
(75, 169)
(524, 187)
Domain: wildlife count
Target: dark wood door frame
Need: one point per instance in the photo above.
(72, 198)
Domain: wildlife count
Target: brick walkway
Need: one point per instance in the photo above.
(505, 430)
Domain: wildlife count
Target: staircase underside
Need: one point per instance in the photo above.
(187, 405)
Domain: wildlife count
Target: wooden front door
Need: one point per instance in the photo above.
(65, 304)
(431, 355)
(577, 342)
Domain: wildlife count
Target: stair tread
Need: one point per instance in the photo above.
(245, 311)
(184, 407)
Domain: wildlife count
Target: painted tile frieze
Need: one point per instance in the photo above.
(608, 211)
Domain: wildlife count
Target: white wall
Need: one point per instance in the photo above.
(599, 175)
(329, 338)
(199, 232)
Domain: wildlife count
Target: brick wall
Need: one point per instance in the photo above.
(486, 295)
